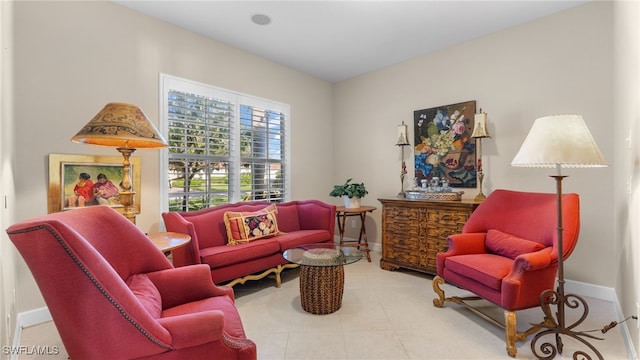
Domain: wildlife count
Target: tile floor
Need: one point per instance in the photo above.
(385, 315)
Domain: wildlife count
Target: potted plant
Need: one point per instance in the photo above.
(350, 192)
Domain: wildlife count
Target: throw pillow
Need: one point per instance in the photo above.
(148, 294)
(243, 227)
(508, 245)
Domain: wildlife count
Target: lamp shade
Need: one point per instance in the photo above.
(559, 141)
(402, 135)
(120, 125)
(480, 126)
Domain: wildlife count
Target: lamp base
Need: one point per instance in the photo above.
(480, 196)
(126, 200)
(556, 326)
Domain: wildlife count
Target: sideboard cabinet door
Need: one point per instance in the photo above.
(414, 231)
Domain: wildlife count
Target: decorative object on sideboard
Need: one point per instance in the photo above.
(443, 146)
(556, 142)
(127, 128)
(480, 132)
(403, 140)
(350, 192)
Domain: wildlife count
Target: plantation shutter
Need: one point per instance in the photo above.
(223, 146)
(200, 131)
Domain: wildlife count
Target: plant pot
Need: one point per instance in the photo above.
(351, 203)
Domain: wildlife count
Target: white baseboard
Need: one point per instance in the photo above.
(26, 319)
(608, 294)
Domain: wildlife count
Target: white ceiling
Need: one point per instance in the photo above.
(337, 40)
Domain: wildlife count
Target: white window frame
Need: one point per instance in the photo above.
(167, 82)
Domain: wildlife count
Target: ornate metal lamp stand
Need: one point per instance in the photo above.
(557, 326)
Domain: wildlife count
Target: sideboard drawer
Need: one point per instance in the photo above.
(414, 231)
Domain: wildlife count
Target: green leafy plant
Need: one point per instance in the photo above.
(349, 189)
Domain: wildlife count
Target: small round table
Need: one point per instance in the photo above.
(168, 241)
(321, 275)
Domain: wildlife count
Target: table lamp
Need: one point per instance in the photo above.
(561, 141)
(480, 132)
(127, 128)
(402, 142)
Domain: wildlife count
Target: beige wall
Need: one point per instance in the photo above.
(545, 67)
(626, 112)
(8, 254)
(73, 57)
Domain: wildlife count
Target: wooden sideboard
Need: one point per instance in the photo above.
(414, 231)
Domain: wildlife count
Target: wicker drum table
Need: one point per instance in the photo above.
(322, 275)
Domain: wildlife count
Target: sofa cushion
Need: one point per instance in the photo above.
(301, 237)
(508, 245)
(487, 269)
(147, 293)
(288, 217)
(219, 256)
(243, 227)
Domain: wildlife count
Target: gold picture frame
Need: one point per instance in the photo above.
(64, 170)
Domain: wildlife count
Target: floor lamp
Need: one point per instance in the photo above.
(556, 142)
(127, 128)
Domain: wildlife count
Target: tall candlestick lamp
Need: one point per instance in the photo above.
(480, 132)
(402, 142)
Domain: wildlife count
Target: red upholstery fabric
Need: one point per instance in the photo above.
(147, 294)
(487, 269)
(82, 260)
(511, 277)
(510, 246)
(301, 222)
(220, 256)
(288, 217)
(301, 237)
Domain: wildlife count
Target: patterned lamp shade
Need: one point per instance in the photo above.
(120, 125)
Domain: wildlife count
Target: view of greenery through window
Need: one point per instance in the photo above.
(221, 151)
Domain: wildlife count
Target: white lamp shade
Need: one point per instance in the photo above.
(559, 141)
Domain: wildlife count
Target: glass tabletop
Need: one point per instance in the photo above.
(322, 255)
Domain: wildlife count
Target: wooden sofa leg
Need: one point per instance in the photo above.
(511, 332)
(437, 281)
(278, 277)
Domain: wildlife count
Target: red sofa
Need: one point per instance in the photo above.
(113, 295)
(301, 222)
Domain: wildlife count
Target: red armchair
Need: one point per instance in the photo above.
(507, 254)
(113, 295)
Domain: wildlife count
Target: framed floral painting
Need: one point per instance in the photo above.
(443, 144)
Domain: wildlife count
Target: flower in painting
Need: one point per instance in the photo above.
(422, 164)
(441, 120)
(458, 128)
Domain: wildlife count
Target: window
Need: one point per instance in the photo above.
(223, 146)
